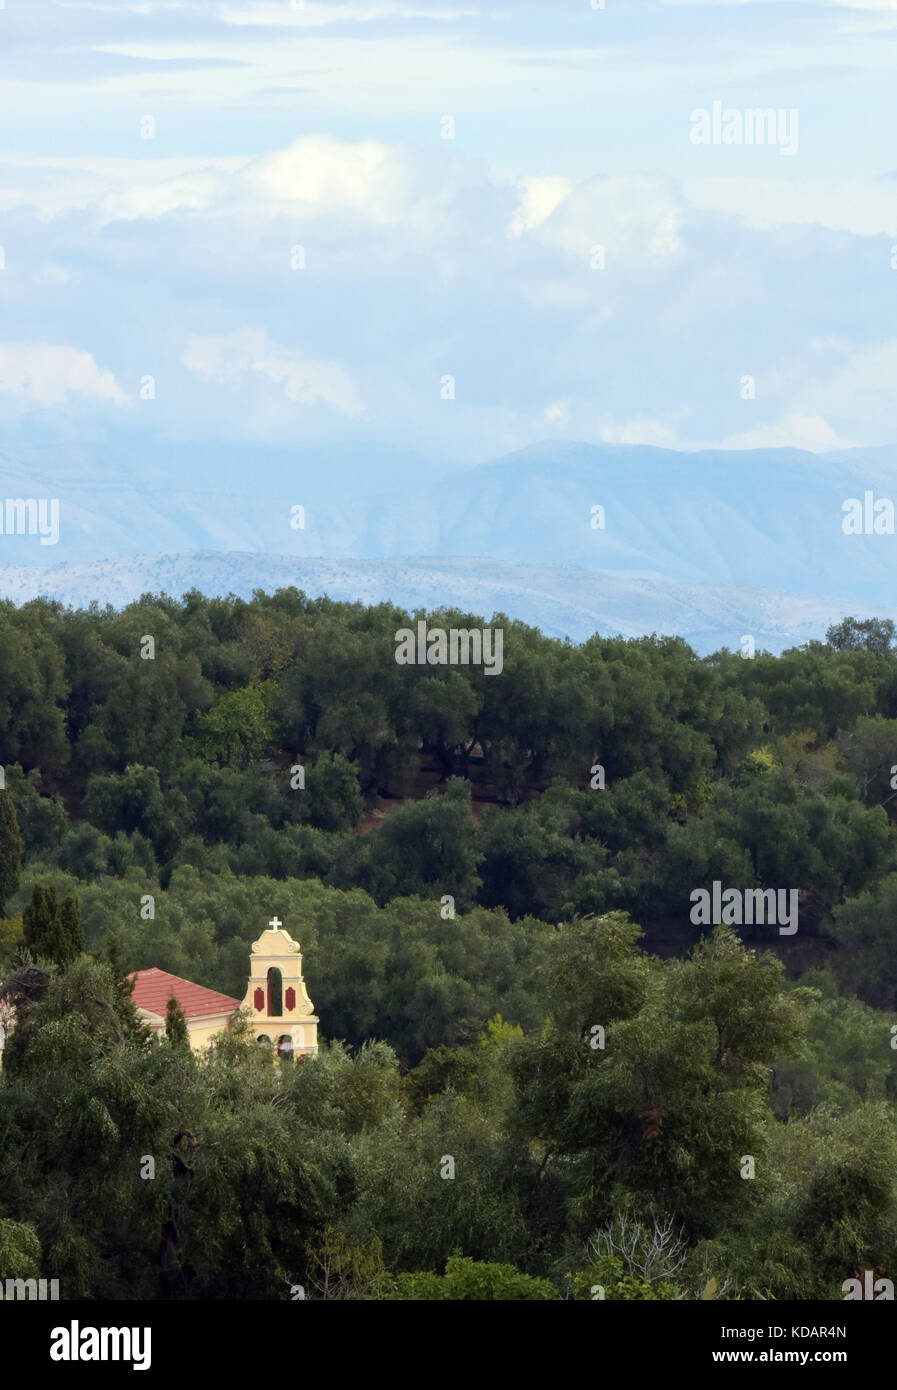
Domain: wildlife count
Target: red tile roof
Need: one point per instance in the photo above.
(153, 988)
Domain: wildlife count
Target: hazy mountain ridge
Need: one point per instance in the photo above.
(561, 600)
(765, 518)
(712, 545)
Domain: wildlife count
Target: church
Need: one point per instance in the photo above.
(280, 1012)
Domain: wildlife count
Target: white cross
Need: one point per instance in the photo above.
(275, 922)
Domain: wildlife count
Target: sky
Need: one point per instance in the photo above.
(448, 230)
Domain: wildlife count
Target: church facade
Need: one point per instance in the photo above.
(277, 1003)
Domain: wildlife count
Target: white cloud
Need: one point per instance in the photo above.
(327, 175)
(539, 197)
(793, 431)
(629, 215)
(557, 413)
(861, 388)
(642, 432)
(816, 4)
(386, 184)
(314, 176)
(811, 432)
(229, 357)
(128, 6)
(53, 274)
(312, 15)
(188, 193)
(880, 13)
(48, 374)
(118, 187)
(865, 209)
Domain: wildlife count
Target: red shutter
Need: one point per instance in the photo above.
(291, 1000)
(259, 1000)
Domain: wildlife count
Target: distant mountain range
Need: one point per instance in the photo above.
(561, 600)
(710, 545)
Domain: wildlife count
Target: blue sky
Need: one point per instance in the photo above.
(320, 125)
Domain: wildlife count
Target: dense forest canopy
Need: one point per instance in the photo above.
(491, 879)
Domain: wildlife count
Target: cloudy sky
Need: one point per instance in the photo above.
(299, 219)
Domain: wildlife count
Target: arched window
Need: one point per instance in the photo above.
(285, 1046)
(264, 1040)
(275, 993)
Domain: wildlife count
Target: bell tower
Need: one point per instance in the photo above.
(282, 1015)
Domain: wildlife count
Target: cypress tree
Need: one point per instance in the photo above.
(71, 933)
(176, 1024)
(113, 955)
(42, 924)
(10, 850)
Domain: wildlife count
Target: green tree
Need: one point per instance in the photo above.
(445, 707)
(863, 927)
(336, 1269)
(334, 796)
(677, 1092)
(10, 849)
(428, 848)
(471, 1280)
(42, 924)
(133, 802)
(83, 1104)
(20, 1252)
(71, 935)
(869, 750)
(863, 634)
(237, 729)
(42, 819)
(176, 1024)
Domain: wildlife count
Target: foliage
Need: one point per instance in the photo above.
(471, 1280)
(514, 1098)
(10, 849)
(176, 1024)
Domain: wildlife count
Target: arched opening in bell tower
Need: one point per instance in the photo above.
(275, 993)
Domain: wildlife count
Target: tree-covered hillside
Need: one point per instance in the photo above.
(492, 879)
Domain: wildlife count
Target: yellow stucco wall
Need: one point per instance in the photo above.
(275, 949)
(200, 1030)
